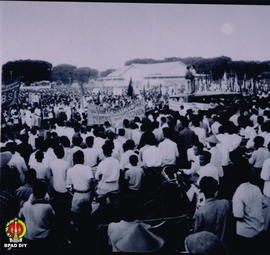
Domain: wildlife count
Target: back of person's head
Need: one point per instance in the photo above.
(77, 140)
(12, 147)
(59, 151)
(33, 131)
(89, 141)
(167, 132)
(150, 139)
(78, 157)
(65, 141)
(39, 189)
(126, 123)
(137, 119)
(129, 145)
(206, 155)
(121, 132)
(107, 149)
(163, 119)
(107, 124)
(133, 160)
(30, 176)
(196, 122)
(39, 156)
(204, 243)
(111, 136)
(258, 141)
(209, 186)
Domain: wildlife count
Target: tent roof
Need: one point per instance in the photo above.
(158, 69)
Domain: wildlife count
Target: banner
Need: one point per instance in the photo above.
(175, 106)
(10, 94)
(115, 118)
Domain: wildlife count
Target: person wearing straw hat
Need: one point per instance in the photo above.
(204, 242)
(133, 238)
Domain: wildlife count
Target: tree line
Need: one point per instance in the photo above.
(216, 67)
(29, 71)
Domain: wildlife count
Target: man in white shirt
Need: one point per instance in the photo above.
(91, 155)
(265, 175)
(248, 211)
(38, 215)
(59, 169)
(216, 155)
(79, 180)
(200, 132)
(168, 148)
(108, 172)
(98, 140)
(206, 169)
(17, 161)
(151, 156)
(41, 166)
(134, 175)
(128, 149)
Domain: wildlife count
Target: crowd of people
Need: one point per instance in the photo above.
(64, 178)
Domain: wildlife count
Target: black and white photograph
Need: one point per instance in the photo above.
(135, 128)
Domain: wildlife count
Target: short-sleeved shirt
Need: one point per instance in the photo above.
(38, 219)
(169, 152)
(247, 204)
(134, 176)
(59, 169)
(265, 175)
(214, 216)
(79, 176)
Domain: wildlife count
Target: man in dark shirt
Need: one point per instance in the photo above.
(216, 214)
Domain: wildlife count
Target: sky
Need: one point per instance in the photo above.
(106, 35)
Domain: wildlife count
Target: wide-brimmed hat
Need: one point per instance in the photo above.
(140, 240)
(212, 139)
(204, 242)
(5, 158)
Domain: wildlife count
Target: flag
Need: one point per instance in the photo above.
(10, 94)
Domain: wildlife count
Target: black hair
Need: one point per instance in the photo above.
(121, 132)
(65, 141)
(78, 157)
(39, 155)
(209, 186)
(59, 151)
(129, 145)
(133, 160)
(39, 189)
(258, 141)
(89, 141)
(107, 149)
(77, 140)
(206, 155)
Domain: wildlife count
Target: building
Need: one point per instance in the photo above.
(170, 75)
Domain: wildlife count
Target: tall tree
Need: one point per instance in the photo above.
(63, 73)
(27, 71)
(84, 74)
